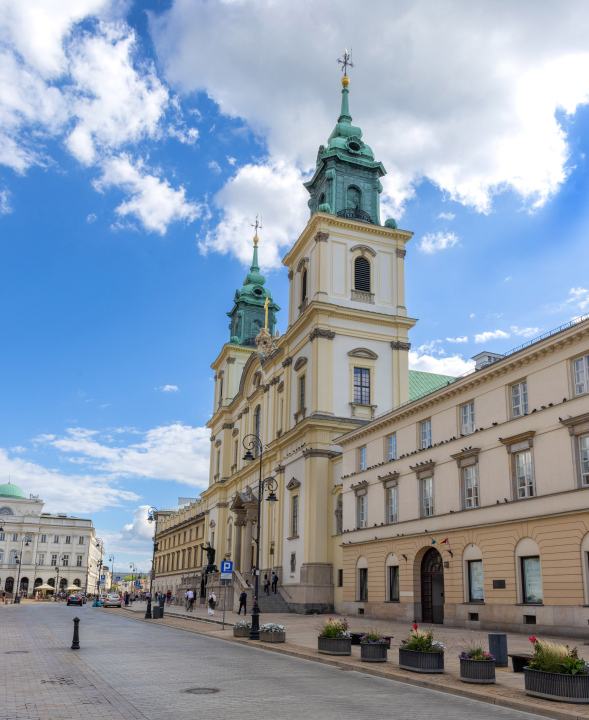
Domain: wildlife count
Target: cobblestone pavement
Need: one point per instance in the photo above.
(130, 669)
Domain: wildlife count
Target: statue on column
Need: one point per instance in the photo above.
(339, 516)
(211, 567)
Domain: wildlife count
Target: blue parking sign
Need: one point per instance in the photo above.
(226, 570)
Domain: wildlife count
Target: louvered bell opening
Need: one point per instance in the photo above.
(304, 289)
(362, 274)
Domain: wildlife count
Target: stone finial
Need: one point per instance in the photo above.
(263, 342)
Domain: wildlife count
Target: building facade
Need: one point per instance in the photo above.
(470, 505)
(33, 543)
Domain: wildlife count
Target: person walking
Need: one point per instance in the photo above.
(242, 603)
(168, 597)
(274, 582)
(212, 603)
(189, 600)
(186, 601)
(266, 585)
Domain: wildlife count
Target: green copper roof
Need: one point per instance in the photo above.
(423, 383)
(13, 491)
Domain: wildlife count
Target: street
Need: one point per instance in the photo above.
(131, 669)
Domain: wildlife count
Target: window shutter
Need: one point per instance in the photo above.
(362, 274)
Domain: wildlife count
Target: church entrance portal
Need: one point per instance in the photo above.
(432, 587)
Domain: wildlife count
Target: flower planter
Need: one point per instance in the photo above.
(272, 637)
(481, 672)
(373, 653)
(334, 646)
(554, 686)
(241, 632)
(421, 662)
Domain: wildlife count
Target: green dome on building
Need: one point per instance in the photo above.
(13, 491)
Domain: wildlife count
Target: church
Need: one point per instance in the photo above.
(342, 361)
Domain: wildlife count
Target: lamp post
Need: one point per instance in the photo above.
(133, 569)
(17, 596)
(151, 516)
(56, 583)
(251, 442)
(99, 564)
(111, 559)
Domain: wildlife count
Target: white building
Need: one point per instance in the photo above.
(34, 543)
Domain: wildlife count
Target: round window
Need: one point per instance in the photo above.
(258, 291)
(354, 146)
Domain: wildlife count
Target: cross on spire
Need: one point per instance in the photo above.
(257, 225)
(346, 62)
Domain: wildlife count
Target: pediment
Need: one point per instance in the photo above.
(300, 362)
(364, 249)
(363, 353)
(293, 484)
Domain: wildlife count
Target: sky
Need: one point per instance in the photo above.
(138, 141)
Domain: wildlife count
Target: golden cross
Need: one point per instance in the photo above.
(266, 305)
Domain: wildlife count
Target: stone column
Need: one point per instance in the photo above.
(238, 530)
(400, 300)
(247, 558)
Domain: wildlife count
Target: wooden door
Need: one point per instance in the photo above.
(432, 587)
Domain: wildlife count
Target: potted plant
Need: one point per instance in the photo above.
(335, 638)
(421, 653)
(477, 665)
(242, 628)
(273, 632)
(557, 673)
(373, 647)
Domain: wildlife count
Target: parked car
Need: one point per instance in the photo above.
(75, 599)
(112, 600)
(103, 598)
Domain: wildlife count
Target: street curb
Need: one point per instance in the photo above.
(526, 706)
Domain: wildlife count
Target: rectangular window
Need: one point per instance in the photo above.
(362, 386)
(54, 559)
(80, 541)
(519, 399)
(467, 418)
(581, 375)
(65, 559)
(475, 581)
(218, 462)
(43, 538)
(427, 497)
(524, 479)
(295, 516)
(68, 540)
(14, 537)
(362, 458)
(293, 562)
(28, 538)
(41, 560)
(531, 580)
(235, 452)
(392, 446)
(362, 506)
(340, 578)
(363, 584)
(301, 392)
(584, 455)
(392, 497)
(56, 538)
(2, 536)
(79, 560)
(426, 433)
(470, 477)
(1, 557)
(394, 583)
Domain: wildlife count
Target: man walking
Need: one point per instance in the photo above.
(190, 600)
(242, 603)
(274, 582)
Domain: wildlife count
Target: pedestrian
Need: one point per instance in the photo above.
(189, 600)
(212, 603)
(4, 598)
(266, 585)
(168, 597)
(242, 603)
(274, 582)
(186, 600)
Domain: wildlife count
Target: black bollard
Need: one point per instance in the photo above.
(76, 638)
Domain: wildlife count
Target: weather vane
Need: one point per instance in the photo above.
(257, 224)
(346, 62)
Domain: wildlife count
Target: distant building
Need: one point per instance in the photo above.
(33, 543)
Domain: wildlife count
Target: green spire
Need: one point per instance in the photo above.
(345, 116)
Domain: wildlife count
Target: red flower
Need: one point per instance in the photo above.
(415, 626)
(532, 639)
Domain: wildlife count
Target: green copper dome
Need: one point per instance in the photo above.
(13, 491)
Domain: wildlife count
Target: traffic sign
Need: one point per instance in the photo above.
(226, 570)
(102, 577)
(118, 578)
(137, 583)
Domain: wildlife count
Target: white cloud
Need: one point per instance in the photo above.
(446, 216)
(472, 315)
(494, 125)
(508, 278)
(91, 218)
(5, 206)
(433, 242)
(18, 449)
(173, 452)
(579, 296)
(215, 167)
(525, 332)
(264, 186)
(168, 388)
(153, 201)
(430, 348)
(185, 136)
(458, 339)
(231, 160)
(451, 365)
(490, 335)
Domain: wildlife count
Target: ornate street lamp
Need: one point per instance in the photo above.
(99, 564)
(151, 516)
(111, 559)
(251, 442)
(19, 561)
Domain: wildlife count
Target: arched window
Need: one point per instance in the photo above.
(362, 274)
(6, 511)
(258, 425)
(354, 198)
(304, 285)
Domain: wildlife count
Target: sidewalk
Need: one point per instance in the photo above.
(301, 641)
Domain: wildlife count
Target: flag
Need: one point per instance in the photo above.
(435, 542)
(444, 541)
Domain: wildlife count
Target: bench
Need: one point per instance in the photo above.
(519, 661)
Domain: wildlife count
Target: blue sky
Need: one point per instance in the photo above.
(139, 140)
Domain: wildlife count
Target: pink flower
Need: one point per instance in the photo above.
(415, 626)
(532, 639)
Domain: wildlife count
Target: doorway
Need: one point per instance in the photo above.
(432, 587)
(9, 584)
